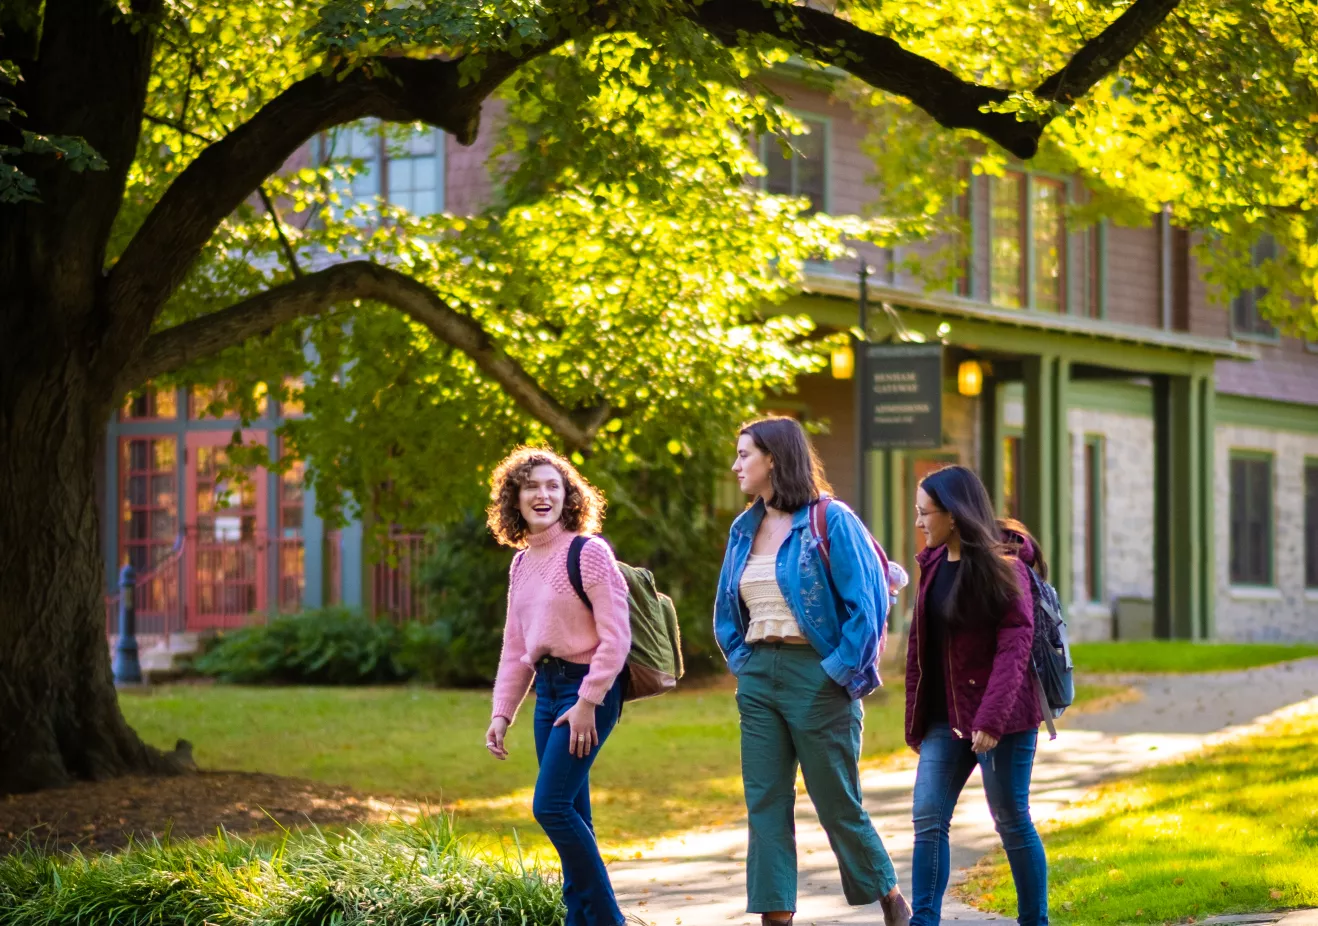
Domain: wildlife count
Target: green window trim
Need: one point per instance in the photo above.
(1095, 480)
(1310, 475)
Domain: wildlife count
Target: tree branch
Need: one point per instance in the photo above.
(1100, 56)
(229, 170)
(882, 63)
(313, 293)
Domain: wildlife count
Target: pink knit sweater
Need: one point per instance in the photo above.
(546, 618)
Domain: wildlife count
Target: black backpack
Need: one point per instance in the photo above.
(1050, 654)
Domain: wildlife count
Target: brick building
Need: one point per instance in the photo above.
(1163, 447)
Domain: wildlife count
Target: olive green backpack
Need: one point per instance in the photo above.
(655, 661)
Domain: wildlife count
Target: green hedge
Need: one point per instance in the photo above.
(397, 874)
(325, 646)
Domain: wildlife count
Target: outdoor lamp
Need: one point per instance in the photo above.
(969, 378)
(844, 362)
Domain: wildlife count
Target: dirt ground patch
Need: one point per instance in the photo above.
(100, 816)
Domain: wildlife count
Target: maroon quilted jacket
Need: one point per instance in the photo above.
(988, 684)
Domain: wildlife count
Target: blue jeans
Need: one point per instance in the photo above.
(945, 765)
(562, 792)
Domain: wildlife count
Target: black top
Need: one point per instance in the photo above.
(937, 612)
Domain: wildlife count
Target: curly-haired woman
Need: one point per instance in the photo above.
(574, 654)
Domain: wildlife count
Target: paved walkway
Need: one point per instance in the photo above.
(698, 879)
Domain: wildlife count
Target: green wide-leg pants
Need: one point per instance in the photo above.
(792, 712)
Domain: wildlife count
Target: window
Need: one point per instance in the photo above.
(150, 403)
(1094, 266)
(292, 550)
(965, 213)
(148, 501)
(1048, 202)
(1012, 463)
(220, 402)
(1311, 524)
(804, 170)
(1028, 242)
(407, 173)
(1251, 520)
(1245, 318)
(1008, 251)
(1093, 463)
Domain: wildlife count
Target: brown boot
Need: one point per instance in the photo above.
(896, 911)
(765, 921)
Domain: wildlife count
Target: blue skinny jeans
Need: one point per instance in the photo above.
(562, 791)
(945, 765)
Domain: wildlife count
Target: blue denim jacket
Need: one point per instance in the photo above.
(841, 613)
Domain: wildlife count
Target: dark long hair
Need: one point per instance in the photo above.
(1017, 537)
(797, 476)
(985, 585)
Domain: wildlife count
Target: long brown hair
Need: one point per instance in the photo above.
(583, 504)
(797, 476)
(985, 585)
(1017, 536)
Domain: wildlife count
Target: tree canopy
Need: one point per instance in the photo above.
(154, 225)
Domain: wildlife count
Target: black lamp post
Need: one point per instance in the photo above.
(862, 382)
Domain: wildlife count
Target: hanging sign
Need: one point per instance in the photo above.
(903, 396)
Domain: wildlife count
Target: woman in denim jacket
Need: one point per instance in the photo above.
(803, 642)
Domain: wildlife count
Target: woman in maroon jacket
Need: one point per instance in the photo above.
(969, 697)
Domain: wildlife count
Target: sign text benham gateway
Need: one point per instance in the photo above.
(903, 396)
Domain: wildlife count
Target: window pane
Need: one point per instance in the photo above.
(810, 164)
(414, 175)
(803, 171)
(1094, 522)
(1245, 316)
(1251, 521)
(1311, 525)
(779, 179)
(357, 146)
(1007, 247)
(1049, 244)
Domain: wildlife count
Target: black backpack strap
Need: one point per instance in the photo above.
(574, 568)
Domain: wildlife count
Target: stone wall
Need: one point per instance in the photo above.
(1285, 610)
(1127, 522)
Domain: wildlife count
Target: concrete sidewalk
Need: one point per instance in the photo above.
(699, 879)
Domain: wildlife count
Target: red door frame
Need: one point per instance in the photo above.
(254, 546)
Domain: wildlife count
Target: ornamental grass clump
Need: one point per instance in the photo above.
(397, 874)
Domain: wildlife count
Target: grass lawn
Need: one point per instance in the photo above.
(1233, 830)
(673, 764)
(1182, 656)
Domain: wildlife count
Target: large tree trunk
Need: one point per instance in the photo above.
(59, 712)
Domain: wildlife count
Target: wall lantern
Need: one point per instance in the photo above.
(969, 378)
(844, 362)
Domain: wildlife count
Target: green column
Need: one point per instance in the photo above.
(1207, 625)
(1183, 506)
(1046, 502)
(990, 440)
(1060, 555)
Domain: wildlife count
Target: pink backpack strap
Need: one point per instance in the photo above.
(819, 527)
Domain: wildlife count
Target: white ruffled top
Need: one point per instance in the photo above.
(770, 616)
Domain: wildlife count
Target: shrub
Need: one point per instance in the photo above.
(398, 874)
(468, 574)
(325, 646)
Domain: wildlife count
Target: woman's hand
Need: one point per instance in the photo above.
(981, 741)
(580, 719)
(494, 737)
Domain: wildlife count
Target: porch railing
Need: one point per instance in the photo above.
(398, 589)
